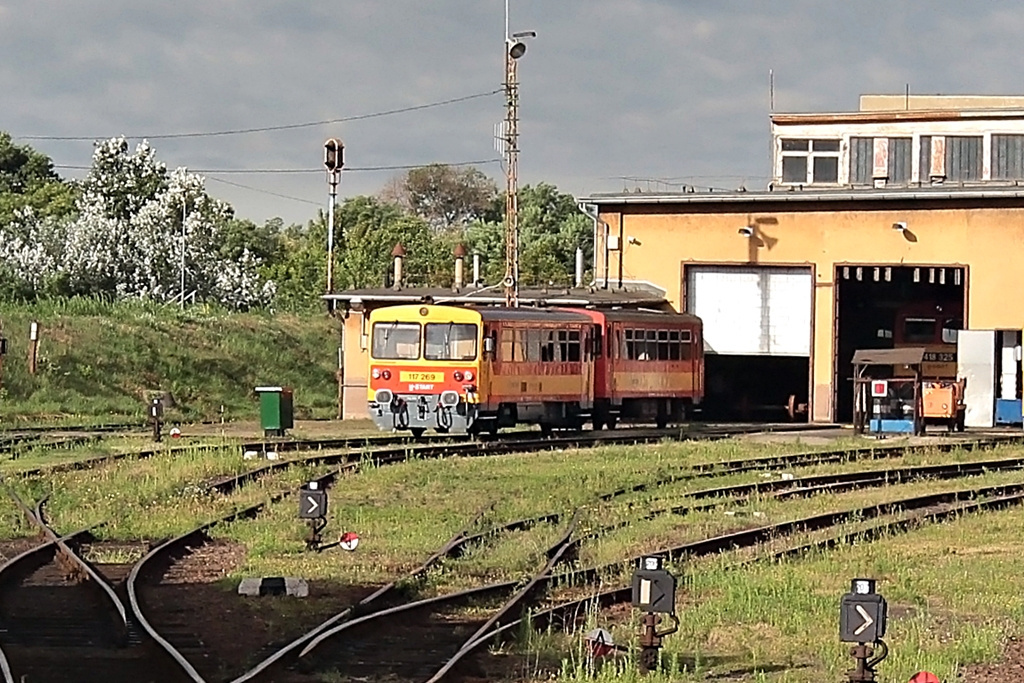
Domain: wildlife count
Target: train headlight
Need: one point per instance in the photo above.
(386, 374)
(457, 375)
(376, 373)
(449, 398)
(469, 375)
(383, 396)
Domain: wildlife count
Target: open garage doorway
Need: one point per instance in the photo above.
(885, 307)
(757, 339)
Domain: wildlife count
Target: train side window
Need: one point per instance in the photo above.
(663, 352)
(596, 341)
(519, 347)
(685, 344)
(574, 347)
(919, 330)
(533, 345)
(563, 346)
(507, 345)
(674, 350)
(629, 346)
(652, 345)
(950, 329)
(547, 346)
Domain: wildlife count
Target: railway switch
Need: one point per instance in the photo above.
(313, 509)
(654, 591)
(862, 620)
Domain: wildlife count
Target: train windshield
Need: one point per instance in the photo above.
(450, 341)
(919, 330)
(396, 341)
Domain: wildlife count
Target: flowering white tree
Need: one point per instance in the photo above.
(135, 220)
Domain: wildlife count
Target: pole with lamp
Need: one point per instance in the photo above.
(334, 160)
(514, 49)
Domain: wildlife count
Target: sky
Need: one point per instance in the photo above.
(614, 94)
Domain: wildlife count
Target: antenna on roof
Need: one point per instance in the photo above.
(906, 98)
(771, 90)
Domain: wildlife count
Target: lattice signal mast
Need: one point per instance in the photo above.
(515, 47)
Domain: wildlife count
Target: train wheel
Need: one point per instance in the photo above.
(611, 421)
(545, 429)
(417, 432)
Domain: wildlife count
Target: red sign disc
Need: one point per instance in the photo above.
(924, 677)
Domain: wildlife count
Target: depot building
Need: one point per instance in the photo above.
(897, 224)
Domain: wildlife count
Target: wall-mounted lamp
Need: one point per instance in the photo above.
(746, 231)
(901, 226)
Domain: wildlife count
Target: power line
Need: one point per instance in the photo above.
(265, 129)
(262, 191)
(275, 171)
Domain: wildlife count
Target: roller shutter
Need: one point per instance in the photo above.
(752, 311)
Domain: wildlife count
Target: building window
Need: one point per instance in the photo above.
(1007, 157)
(862, 160)
(810, 161)
(963, 157)
(900, 155)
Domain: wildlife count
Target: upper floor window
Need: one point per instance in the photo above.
(1007, 157)
(810, 161)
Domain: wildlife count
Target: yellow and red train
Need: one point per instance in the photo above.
(455, 369)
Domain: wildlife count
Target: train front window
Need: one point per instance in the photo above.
(920, 330)
(950, 328)
(450, 341)
(396, 341)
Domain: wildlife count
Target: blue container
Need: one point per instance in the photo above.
(892, 426)
(1008, 411)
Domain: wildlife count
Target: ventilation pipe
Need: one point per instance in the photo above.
(476, 270)
(591, 212)
(579, 267)
(398, 253)
(460, 259)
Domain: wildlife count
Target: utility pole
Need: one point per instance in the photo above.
(514, 49)
(184, 217)
(334, 160)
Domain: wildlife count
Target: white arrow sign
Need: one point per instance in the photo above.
(867, 621)
(313, 505)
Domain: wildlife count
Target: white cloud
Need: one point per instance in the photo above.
(652, 88)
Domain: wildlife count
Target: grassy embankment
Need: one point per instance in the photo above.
(101, 362)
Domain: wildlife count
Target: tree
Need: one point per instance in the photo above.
(444, 196)
(369, 230)
(135, 222)
(551, 228)
(28, 182)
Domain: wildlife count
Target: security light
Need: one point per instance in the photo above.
(746, 231)
(901, 226)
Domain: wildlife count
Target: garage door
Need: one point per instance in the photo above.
(759, 311)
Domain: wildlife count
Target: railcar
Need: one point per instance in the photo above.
(460, 370)
(648, 366)
(934, 327)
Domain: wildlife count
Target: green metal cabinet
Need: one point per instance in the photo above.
(276, 410)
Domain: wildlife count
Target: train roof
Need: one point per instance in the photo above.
(437, 312)
(640, 316)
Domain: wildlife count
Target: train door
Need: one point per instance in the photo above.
(587, 358)
(487, 359)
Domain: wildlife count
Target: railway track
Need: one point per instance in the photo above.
(63, 619)
(146, 575)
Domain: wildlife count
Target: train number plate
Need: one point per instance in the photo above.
(939, 357)
(406, 376)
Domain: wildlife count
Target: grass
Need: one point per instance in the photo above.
(771, 621)
(101, 362)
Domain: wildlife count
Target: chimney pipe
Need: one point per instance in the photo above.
(476, 270)
(579, 267)
(460, 260)
(398, 253)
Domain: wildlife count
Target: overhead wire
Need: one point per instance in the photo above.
(346, 169)
(262, 191)
(265, 129)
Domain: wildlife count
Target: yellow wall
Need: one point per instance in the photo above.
(989, 241)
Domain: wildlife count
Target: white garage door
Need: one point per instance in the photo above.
(761, 311)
